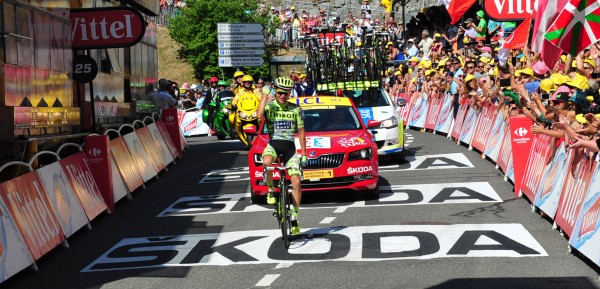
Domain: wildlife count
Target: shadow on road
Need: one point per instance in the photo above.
(516, 283)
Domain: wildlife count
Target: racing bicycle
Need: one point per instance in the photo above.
(283, 210)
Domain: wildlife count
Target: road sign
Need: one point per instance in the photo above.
(241, 45)
(240, 61)
(240, 37)
(239, 52)
(239, 28)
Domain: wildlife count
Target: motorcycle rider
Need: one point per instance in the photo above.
(237, 77)
(247, 87)
(282, 118)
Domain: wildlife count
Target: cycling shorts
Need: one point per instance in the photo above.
(288, 151)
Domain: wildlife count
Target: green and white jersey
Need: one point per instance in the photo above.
(283, 120)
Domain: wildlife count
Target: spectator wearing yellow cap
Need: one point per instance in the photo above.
(585, 66)
(393, 53)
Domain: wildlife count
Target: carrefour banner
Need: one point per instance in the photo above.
(458, 121)
(495, 138)
(14, 256)
(521, 141)
(444, 120)
(418, 115)
(405, 110)
(192, 124)
(585, 237)
(548, 193)
(485, 122)
(505, 151)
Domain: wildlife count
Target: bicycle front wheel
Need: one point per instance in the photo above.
(286, 229)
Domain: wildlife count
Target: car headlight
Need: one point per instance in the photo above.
(390, 122)
(242, 114)
(254, 114)
(362, 154)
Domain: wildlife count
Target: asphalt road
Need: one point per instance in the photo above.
(445, 219)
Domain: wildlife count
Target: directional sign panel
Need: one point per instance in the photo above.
(239, 28)
(247, 52)
(240, 61)
(241, 45)
(245, 37)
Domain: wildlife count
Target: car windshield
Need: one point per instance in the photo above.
(367, 98)
(329, 118)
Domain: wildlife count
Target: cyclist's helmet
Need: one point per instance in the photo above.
(284, 84)
(213, 79)
(238, 74)
(222, 83)
(247, 78)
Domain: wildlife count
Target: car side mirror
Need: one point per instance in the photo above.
(373, 123)
(401, 102)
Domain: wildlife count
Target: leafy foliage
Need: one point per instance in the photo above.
(196, 30)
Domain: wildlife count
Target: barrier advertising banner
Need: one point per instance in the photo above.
(169, 119)
(83, 183)
(458, 121)
(160, 144)
(32, 213)
(539, 157)
(418, 115)
(192, 124)
(97, 152)
(468, 127)
(548, 194)
(521, 141)
(435, 105)
(585, 237)
(505, 150)
(119, 188)
(14, 255)
(126, 165)
(167, 139)
(444, 120)
(62, 198)
(484, 126)
(576, 183)
(140, 156)
(495, 138)
(150, 147)
(405, 110)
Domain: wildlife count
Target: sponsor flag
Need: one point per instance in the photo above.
(547, 12)
(574, 28)
(518, 39)
(457, 9)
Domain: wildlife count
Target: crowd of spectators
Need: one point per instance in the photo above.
(169, 9)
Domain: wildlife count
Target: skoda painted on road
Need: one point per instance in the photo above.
(340, 149)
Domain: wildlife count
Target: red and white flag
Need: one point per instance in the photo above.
(546, 14)
(576, 26)
(458, 8)
(518, 39)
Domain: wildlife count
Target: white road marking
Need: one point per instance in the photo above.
(267, 280)
(327, 220)
(284, 265)
(340, 210)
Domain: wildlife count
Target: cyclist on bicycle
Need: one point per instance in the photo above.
(282, 119)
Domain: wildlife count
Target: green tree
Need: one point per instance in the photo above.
(196, 30)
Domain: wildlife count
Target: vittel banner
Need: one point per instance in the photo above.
(504, 10)
(106, 27)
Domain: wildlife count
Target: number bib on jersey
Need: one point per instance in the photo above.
(283, 125)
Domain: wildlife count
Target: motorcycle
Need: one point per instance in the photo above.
(244, 119)
(220, 118)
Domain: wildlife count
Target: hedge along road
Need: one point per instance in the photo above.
(445, 219)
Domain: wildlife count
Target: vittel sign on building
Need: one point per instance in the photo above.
(106, 27)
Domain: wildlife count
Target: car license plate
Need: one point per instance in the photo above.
(320, 174)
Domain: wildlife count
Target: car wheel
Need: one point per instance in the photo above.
(259, 199)
(372, 194)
